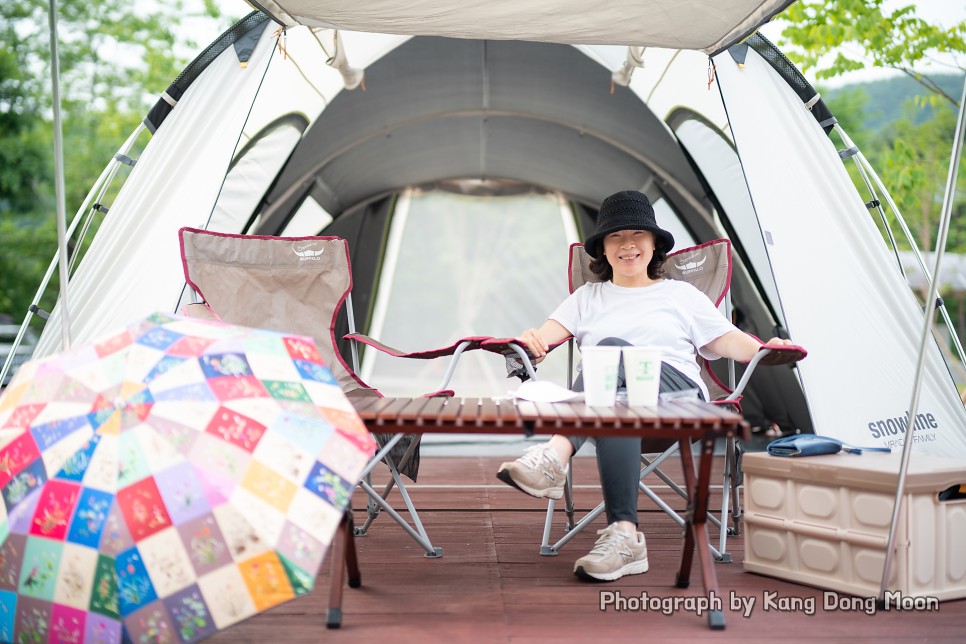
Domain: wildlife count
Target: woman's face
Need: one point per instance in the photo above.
(629, 252)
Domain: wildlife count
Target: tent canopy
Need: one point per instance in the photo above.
(534, 113)
(680, 24)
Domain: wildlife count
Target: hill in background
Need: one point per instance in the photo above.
(887, 100)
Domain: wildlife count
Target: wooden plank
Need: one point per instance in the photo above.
(579, 414)
(413, 411)
(389, 415)
(713, 410)
(696, 414)
(624, 415)
(372, 412)
(568, 416)
(362, 404)
(527, 410)
(430, 411)
(450, 411)
(469, 414)
(687, 417)
(489, 414)
(502, 416)
(548, 416)
(508, 414)
(650, 418)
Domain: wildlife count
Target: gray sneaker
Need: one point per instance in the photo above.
(615, 554)
(538, 472)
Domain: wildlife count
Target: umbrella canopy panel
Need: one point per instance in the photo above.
(443, 108)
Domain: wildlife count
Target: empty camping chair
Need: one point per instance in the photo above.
(298, 285)
(708, 268)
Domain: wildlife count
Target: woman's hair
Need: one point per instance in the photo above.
(602, 269)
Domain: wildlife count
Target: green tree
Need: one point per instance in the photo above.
(116, 56)
(912, 158)
(912, 153)
(861, 32)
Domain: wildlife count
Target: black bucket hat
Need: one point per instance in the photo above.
(627, 210)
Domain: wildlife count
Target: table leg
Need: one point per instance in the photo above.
(344, 560)
(687, 466)
(696, 527)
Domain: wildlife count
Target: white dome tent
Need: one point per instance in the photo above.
(280, 145)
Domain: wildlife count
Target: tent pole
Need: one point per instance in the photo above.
(944, 220)
(94, 196)
(59, 175)
(864, 163)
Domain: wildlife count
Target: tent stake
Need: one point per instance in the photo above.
(59, 174)
(926, 333)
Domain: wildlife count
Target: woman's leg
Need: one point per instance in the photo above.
(619, 461)
(619, 466)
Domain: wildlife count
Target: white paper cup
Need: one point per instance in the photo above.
(642, 373)
(600, 375)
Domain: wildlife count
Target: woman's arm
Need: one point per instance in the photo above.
(539, 340)
(740, 346)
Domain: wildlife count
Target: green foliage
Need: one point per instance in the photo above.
(905, 126)
(115, 57)
(886, 99)
(861, 31)
(16, 236)
(912, 159)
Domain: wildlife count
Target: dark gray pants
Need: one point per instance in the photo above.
(619, 459)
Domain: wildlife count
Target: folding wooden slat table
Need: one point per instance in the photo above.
(684, 421)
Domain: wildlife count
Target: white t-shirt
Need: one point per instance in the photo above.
(672, 315)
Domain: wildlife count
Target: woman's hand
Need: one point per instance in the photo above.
(538, 341)
(741, 346)
(537, 346)
(779, 342)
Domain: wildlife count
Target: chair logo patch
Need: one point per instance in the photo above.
(687, 267)
(308, 251)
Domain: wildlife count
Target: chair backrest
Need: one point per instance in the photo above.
(288, 284)
(707, 267)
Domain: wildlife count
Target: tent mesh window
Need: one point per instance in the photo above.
(215, 49)
(787, 70)
(194, 69)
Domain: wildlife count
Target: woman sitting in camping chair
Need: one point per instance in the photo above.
(631, 305)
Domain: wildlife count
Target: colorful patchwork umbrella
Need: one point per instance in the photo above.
(169, 481)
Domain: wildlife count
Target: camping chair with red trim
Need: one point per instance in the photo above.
(299, 285)
(708, 268)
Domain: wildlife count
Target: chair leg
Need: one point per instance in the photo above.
(378, 503)
(344, 560)
(421, 537)
(569, 496)
(736, 481)
(727, 499)
(545, 548)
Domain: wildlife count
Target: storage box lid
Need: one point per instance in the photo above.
(869, 471)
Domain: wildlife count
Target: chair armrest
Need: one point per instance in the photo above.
(456, 350)
(771, 355)
(780, 354)
(472, 342)
(519, 359)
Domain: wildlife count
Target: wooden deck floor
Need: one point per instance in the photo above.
(491, 585)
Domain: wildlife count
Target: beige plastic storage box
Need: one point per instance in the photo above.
(824, 521)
